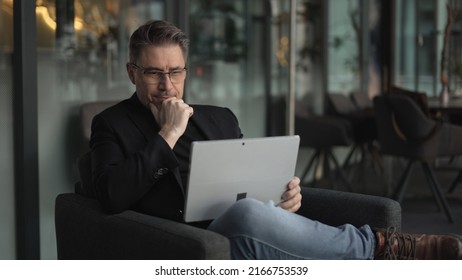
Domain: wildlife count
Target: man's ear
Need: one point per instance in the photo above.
(131, 73)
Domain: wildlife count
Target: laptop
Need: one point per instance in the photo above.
(224, 171)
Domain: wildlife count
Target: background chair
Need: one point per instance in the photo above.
(419, 98)
(361, 100)
(84, 231)
(405, 131)
(364, 128)
(323, 134)
(456, 182)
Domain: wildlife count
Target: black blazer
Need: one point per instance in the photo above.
(134, 168)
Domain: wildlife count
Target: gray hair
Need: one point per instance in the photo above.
(157, 33)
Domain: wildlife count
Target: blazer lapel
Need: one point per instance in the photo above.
(142, 118)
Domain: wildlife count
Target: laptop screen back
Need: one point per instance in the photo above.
(224, 171)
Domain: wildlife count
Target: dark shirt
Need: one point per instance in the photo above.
(182, 149)
(182, 152)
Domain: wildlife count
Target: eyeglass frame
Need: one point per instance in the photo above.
(158, 72)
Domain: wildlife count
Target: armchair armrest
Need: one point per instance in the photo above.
(84, 231)
(336, 208)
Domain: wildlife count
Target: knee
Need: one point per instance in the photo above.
(240, 218)
(245, 208)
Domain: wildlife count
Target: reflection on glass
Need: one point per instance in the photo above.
(419, 40)
(238, 59)
(7, 212)
(81, 55)
(221, 70)
(90, 40)
(343, 56)
(309, 52)
(426, 62)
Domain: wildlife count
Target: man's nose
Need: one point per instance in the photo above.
(166, 83)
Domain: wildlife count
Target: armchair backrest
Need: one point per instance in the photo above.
(361, 100)
(402, 127)
(341, 104)
(88, 111)
(419, 98)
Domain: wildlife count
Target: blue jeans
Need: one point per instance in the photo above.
(258, 230)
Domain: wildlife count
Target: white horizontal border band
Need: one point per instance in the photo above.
(221, 270)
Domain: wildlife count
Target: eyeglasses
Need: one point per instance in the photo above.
(152, 76)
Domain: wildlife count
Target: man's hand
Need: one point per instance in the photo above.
(292, 198)
(172, 117)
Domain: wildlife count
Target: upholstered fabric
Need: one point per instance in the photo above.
(361, 100)
(419, 98)
(85, 185)
(84, 231)
(405, 130)
(335, 208)
(321, 132)
(362, 120)
(88, 111)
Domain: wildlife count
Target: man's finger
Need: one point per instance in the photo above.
(154, 111)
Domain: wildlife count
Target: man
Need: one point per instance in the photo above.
(140, 160)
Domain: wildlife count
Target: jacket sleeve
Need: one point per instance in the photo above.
(235, 125)
(120, 178)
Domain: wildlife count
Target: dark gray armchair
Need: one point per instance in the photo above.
(84, 231)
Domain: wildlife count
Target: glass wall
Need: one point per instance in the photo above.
(7, 218)
(426, 58)
(357, 51)
(419, 29)
(239, 59)
(344, 41)
(219, 60)
(404, 44)
(81, 56)
(310, 57)
(454, 45)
